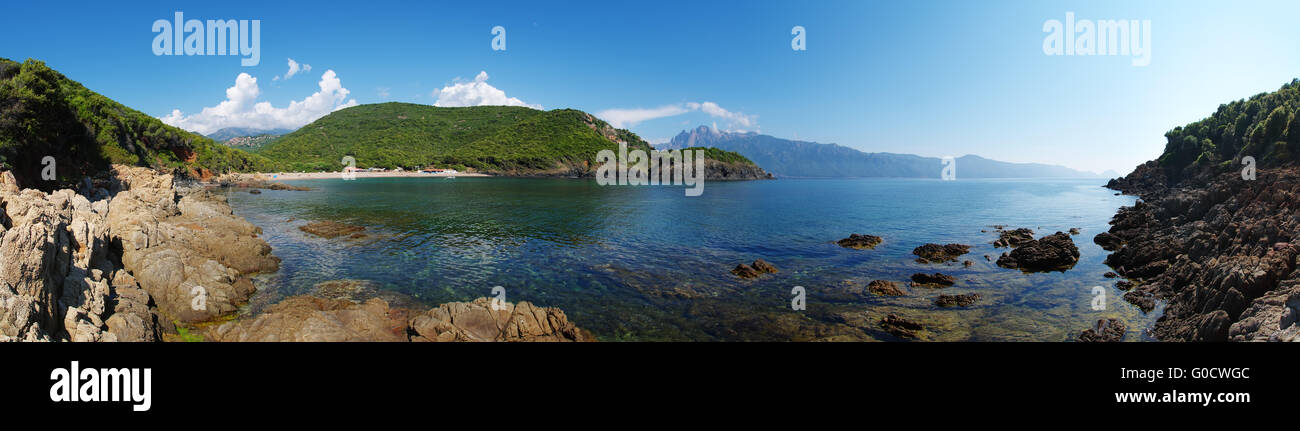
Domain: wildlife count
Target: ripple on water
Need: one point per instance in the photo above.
(647, 263)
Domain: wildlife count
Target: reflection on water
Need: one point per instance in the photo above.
(647, 263)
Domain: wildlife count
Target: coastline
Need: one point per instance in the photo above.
(140, 257)
(293, 176)
(1217, 248)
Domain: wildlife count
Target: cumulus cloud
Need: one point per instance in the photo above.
(476, 93)
(241, 109)
(623, 118)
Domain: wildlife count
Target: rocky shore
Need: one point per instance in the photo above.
(1220, 251)
(134, 253)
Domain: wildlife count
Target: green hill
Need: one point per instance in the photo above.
(497, 139)
(1266, 127)
(43, 113)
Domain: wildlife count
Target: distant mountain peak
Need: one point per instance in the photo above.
(702, 136)
(795, 158)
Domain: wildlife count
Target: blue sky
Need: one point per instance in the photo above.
(926, 77)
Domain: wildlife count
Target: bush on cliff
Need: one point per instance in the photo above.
(43, 113)
(1265, 126)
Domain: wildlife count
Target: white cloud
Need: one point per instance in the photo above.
(476, 93)
(623, 118)
(294, 68)
(240, 109)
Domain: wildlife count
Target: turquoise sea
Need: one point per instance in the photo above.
(649, 263)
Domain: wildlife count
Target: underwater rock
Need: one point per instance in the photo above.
(885, 288)
(956, 300)
(1106, 331)
(900, 327)
(933, 280)
(330, 229)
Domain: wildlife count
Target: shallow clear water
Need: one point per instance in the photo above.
(648, 263)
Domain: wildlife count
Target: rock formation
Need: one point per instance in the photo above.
(1055, 252)
(120, 258)
(309, 318)
(1219, 249)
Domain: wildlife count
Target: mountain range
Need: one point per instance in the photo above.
(792, 158)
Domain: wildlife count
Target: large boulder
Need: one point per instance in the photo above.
(1055, 252)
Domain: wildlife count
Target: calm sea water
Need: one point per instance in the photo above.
(648, 263)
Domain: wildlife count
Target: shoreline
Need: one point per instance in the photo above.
(292, 176)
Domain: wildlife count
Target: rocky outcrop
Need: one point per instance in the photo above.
(935, 253)
(1218, 249)
(1106, 331)
(310, 318)
(715, 170)
(59, 279)
(116, 259)
(860, 242)
(1055, 252)
(192, 255)
(253, 183)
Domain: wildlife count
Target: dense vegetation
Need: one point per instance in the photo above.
(500, 139)
(227, 133)
(1266, 127)
(43, 113)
